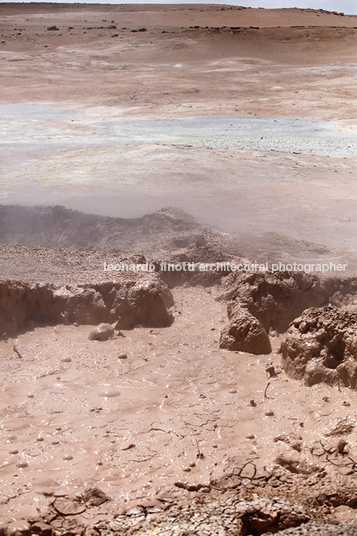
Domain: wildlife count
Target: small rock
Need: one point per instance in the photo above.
(68, 507)
(137, 511)
(94, 497)
(248, 471)
(270, 370)
(16, 528)
(52, 28)
(22, 465)
(341, 446)
(297, 445)
(269, 413)
(39, 527)
(252, 403)
(122, 356)
(345, 470)
(101, 333)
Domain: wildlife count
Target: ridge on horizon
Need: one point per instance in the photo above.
(346, 7)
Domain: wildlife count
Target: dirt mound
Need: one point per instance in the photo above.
(142, 300)
(321, 346)
(245, 333)
(57, 226)
(275, 299)
(260, 302)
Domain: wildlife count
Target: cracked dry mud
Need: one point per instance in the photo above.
(170, 426)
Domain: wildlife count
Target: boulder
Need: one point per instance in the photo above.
(245, 333)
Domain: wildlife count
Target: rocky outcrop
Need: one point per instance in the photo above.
(245, 333)
(129, 302)
(57, 226)
(103, 332)
(258, 302)
(275, 299)
(321, 346)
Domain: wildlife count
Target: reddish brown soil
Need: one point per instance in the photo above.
(159, 417)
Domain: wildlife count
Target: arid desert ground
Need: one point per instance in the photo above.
(213, 401)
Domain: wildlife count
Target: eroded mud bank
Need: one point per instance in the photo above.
(161, 427)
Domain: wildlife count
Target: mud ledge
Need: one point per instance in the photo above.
(145, 301)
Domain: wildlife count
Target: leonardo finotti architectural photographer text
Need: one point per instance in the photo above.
(225, 267)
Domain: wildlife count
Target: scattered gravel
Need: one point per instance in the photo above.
(312, 529)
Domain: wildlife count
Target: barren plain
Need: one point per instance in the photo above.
(220, 402)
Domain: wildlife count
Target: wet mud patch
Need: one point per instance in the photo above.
(178, 427)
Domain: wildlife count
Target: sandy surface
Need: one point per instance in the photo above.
(245, 118)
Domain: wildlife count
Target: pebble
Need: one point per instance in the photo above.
(109, 393)
(66, 360)
(68, 457)
(22, 465)
(233, 391)
(122, 356)
(269, 413)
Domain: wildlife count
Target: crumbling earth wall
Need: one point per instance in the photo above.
(321, 346)
(145, 301)
(259, 302)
